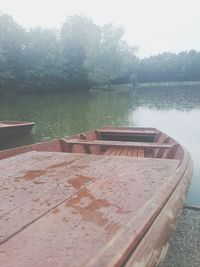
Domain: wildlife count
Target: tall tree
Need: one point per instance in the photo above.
(77, 36)
(12, 51)
(43, 59)
(112, 57)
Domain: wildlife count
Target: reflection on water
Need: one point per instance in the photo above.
(175, 111)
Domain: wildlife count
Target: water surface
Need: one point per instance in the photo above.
(174, 110)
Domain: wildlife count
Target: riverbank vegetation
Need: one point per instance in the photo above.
(80, 55)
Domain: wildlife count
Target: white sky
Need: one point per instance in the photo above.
(153, 25)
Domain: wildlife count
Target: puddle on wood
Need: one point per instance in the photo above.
(79, 181)
(32, 174)
(89, 208)
(56, 210)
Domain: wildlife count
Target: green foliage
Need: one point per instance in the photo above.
(111, 58)
(42, 59)
(12, 40)
(80, 55)
(76, 34)
(184, 66)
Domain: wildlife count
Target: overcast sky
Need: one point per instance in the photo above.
(153, 25)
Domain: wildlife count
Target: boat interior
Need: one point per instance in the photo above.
(51, 196)
(111, 141)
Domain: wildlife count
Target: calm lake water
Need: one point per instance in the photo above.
(174, 110)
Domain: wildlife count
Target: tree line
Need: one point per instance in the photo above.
(80, 55)
(184, 66)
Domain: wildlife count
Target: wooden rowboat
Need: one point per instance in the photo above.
(14, 128)
(109, 197)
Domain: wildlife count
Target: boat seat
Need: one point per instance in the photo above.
(116, 144)
(118, 148)
(128, 152)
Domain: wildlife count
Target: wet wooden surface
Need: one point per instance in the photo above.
(60, 209)
(129, 152)
(118, 143)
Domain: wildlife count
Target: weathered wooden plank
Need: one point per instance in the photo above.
(158, 240)
(118, 143)
(51, 146)
(30, 192)
(114, 151)
(109, 151)
(129, 154)
(79, 228)
(141, 153)
(134, 152)
(118, 151)
(124, 151)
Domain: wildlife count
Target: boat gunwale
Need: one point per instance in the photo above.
(187, 173)
(129, 246)
(5, 153)
(102, 259)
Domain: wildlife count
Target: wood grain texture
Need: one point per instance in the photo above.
(73, 209)
(117, 143)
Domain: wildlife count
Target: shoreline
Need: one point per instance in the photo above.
(184, 249)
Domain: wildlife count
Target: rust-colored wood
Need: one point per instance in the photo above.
(117, 143)
(158, 233)
(83, 136)
(108, 151)
(125, 245)
(141, 152)
(66, 147)
(98, 134)
(124, 151)
(63, 145)
(42, 182)
(134, 152)
(50, 146)
(83, 219)
(61, 205)
(120, 151)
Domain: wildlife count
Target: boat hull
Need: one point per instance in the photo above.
(109, 197)
(154, 246)
(10, 129)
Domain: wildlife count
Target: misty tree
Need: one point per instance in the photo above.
(184, 66)
(12, 51)
(79, 36)
(79, 55)
(43, 58)
(111, 57)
